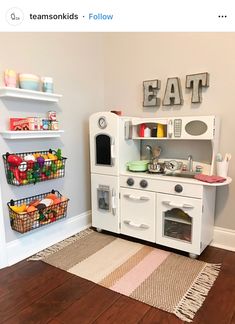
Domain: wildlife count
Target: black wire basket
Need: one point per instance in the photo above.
(33, 212)
(32, 167)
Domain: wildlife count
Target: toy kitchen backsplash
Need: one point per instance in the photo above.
(202, 153)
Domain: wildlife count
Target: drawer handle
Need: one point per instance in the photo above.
(136, 197)
(173, 204)
(130, 223)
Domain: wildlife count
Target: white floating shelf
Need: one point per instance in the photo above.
(14, 135)
(7, 92)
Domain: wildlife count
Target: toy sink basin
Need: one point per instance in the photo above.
(138, 166)
(182, 174)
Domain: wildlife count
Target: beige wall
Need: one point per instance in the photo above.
(131, 58)
(95, 72)
(75, 61)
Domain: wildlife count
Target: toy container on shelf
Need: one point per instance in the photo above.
(32, 167)
(33, 212)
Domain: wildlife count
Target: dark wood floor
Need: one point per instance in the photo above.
(34, 292)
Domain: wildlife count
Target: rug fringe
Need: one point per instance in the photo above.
(58, 246)
(196, 294)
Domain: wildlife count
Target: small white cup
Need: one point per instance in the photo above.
(222, 168)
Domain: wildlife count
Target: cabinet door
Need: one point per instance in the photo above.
(179, 222)
(105, 208)
(138, 214)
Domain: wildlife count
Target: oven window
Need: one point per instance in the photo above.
(103, 197)
(177, 225)
(103, 149)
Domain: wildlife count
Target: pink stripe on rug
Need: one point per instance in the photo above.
(132, 279)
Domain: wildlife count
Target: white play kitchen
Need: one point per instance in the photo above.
(153, 178)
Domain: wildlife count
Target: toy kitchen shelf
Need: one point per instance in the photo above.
(151, 123)
(7, 92)
(175, 128)
(16, 135)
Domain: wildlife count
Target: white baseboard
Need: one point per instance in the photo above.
(34, 242)
(224, 238)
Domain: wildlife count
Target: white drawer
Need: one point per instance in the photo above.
(138, 214)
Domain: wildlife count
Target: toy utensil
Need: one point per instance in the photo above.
(228, 157)
(219, 157)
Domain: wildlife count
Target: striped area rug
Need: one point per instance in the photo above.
(162, 279)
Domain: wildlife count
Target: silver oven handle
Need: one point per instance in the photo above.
(173, 204)
(136, 197)
(130, 223)
(113, 202)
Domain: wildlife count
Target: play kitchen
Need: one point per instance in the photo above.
(155, 178)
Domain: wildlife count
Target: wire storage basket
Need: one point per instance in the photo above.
(30, 213)
(32, 167)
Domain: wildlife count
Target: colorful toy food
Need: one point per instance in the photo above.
(15, 182)
(43, 177)
(19, 209)
(41, 206)
(30, 164)
(59, 154)
(47, 202)
(14, 160)
(29, 157)
(47, 209)
(40, 161)
(52, 157)
(23, 175)
(53, 167)
(36, 166)
(31, 209)
(34, 202)
(48, 173)
(47, 162)
(36, 155)
(30, 168)
(56, 201)
(16, 173)
(10, 175)
(51, 196)
(59, 164)
(23, 166)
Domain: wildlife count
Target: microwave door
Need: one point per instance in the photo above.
(103, 150)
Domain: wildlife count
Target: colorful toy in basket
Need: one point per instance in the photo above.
(39, 210)
(33, 167)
